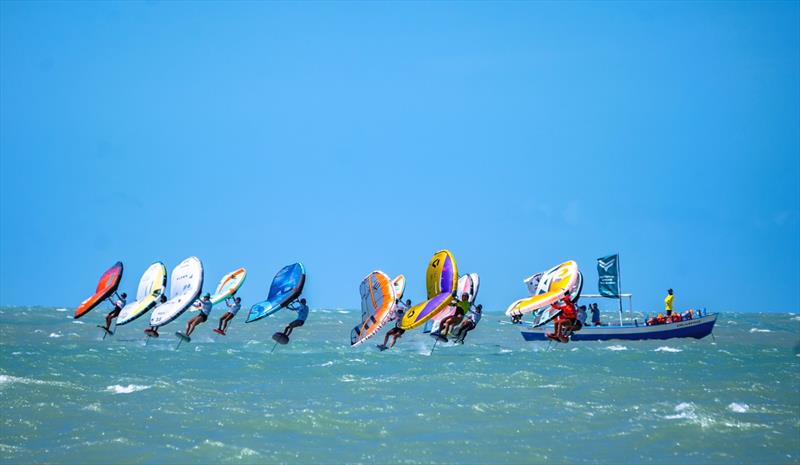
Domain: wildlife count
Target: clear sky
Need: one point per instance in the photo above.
(361, 136)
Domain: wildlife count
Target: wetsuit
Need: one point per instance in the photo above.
(302, 314)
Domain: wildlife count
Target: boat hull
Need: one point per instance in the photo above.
(697, 328)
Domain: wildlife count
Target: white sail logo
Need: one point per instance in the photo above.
(606, 265)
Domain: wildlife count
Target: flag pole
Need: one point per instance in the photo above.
(619, 288)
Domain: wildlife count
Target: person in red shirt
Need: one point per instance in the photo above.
(566, 320)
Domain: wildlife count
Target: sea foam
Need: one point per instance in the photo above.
(667, 349)
(119, 389)
(738, 408)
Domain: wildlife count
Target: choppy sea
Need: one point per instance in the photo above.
(68, 396)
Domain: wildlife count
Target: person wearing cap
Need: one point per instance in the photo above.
(205, 310)
(668, 303)
(118, 304)
(233, 309)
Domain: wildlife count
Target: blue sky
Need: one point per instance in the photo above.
(361, 136)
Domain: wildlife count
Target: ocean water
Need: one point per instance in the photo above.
(67, 396)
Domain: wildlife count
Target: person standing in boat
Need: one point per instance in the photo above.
(582, 316)
(595, 314)
(668, 303)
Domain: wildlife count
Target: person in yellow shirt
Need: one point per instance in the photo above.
(668, 302)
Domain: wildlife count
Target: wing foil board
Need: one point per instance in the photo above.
(185, 288)
(286, 286)
(227, 287)
(547, 288)
(108, 284)
(441, 279)
(377, 302)
(151, 286)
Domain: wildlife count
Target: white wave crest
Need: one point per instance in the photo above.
(616, 347)
(245, 452)
(92, 407)
(119, 389)
(738, 408)
(8, 380)
(61, 309)
(687, 411)
(55, 335)
(667, 349)
(759, 330)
